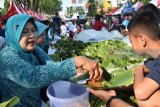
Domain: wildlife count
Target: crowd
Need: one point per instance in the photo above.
(27, 70)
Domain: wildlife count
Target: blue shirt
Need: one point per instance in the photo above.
(24, 76)
(154, 66)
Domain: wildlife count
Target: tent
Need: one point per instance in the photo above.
(128, 8)
(158, 3)
(13, 10)
(137, 5)
(118, 11)
(153, 2)
(111, 12)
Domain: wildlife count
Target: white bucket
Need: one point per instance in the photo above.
(67, 94)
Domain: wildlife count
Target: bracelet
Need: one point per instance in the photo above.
(110, 100)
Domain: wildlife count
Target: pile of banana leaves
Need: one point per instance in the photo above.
(116, 58)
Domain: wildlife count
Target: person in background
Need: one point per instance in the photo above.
(26, 68)
(57, 21)
(64, 29)
(0, 24)
(92, 22)
(48, 31)
(79, 29)
(144, 34)
(72, 29)
(98, 23)
(41, 34)
(78, 21)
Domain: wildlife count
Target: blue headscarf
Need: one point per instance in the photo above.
(40, 28)
(13, 30)
(125, 23)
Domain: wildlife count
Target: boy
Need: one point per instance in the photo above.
(144, 34)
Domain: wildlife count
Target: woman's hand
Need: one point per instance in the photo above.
(95, 71)
(102, 94)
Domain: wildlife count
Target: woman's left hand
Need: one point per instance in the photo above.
(91, 66)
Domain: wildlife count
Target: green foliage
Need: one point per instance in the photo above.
(44, 6)
(6, 7)
(50, 6)
(73, 9)
(92, 9)
(143, 1)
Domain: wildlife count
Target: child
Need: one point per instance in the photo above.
(63, 29)
(79, 29)
(144, 34)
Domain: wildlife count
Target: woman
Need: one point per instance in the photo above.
(41, 34)
(2, 42)
(25, 68)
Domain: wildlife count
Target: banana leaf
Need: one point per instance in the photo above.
(12, 102)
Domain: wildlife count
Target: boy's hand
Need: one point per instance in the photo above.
(146, 70)
(102, 94)
(142, 68)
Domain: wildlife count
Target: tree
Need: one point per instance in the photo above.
(6, 7)
(92, 9)
(143, 1)
(50, 6)
(45, 6)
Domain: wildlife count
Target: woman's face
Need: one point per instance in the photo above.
(41, 39)
(28, 37)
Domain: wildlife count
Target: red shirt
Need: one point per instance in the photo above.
(0, 24)
(98, 25)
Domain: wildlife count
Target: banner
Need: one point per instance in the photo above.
(1, 3)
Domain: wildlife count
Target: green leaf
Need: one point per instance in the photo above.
(11, 102)
(124, 78)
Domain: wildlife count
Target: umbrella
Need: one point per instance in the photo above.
(137, 5)
(128, 8)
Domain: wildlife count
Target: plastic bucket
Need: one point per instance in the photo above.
(67, 94)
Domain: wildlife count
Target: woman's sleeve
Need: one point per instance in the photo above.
(20, 71)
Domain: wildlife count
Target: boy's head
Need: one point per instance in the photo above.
(149, 7)
(144, 27)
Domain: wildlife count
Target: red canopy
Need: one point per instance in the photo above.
(111, 12)
(14, 10)
(158, 3)
(11, 11)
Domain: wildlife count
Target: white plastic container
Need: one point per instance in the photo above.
(67, 94)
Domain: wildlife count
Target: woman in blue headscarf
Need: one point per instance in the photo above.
(25, 68)
(41, 34)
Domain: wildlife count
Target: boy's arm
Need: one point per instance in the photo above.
(144, 87)
(152, 101)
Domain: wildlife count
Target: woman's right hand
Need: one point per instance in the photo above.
(95, 71)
